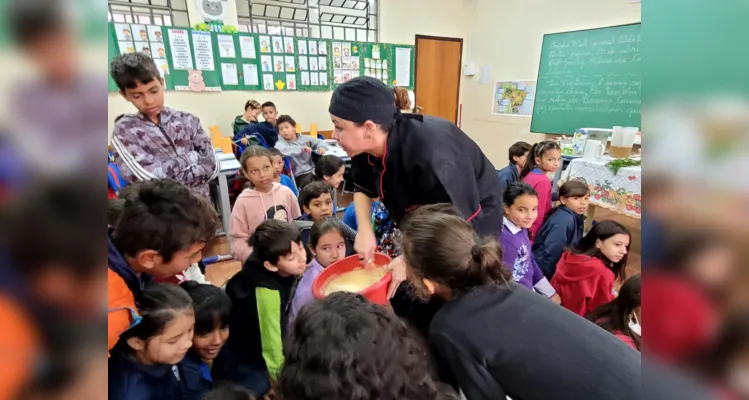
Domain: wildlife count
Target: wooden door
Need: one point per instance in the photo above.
(437, 70)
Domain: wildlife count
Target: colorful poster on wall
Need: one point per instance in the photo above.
(514, 98)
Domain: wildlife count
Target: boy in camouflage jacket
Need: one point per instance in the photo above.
(158, 142)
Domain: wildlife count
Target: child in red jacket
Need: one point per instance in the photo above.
(586, 273)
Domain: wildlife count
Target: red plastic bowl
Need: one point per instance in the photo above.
(377, 293)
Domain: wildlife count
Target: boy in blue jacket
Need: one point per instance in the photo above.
(510, 173)
(268, 129)
(563, 227)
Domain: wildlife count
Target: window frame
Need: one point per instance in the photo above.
(368, 31)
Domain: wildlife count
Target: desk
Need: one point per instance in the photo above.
(620, 193)
(228, 167)
(336, 150)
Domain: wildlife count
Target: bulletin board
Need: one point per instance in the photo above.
(192, 60)
(129, 38)
(313, 64)
(346, 61)
(238, 59)
(384, 61)
(278, 62)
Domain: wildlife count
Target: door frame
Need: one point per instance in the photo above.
(460, 67)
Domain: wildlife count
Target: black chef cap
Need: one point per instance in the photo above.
(364, 99)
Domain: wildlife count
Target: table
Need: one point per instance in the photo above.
(620, 193)
(228, 166)
(336, 150)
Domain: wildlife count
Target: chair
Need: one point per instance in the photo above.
(313, 132)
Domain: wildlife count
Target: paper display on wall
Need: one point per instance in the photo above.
(250, 74)
(265, 44)
(201, 42)
(163, 66)
(267, 82)
(126, 47)
(266, 63)
(139, 33)
(290, 65)
(229, 74)
(181, 55)
(226, 46)
(123, 32)
(291, 82)
(403, 66)
(278, 64)
(247, 47)
(514, 98)
(154, 33)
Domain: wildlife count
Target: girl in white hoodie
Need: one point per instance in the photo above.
(265, 199)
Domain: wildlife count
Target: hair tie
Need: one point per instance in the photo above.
(476, 252)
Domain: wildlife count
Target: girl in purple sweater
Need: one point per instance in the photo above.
(543, 158)
(327, 245)
(521, 209)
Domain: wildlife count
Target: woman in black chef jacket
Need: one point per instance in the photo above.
(409, 160)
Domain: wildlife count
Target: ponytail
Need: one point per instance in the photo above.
(444, 249)
(486, 255)
(402, 102)
(537, 151)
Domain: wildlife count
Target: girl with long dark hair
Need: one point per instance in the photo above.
(586, 273)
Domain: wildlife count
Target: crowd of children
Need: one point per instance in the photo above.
(168, 341)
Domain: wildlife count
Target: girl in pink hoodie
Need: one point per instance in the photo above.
(265, 199)
(544, 158)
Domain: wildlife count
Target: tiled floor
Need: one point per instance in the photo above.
(219, 273)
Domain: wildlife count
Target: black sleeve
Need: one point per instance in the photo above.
(472, 377)
(364, 175)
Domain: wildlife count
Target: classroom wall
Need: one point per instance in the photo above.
(398, 24)
(507, 35)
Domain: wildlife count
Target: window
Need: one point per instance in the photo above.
(149, 12)
(352, 20)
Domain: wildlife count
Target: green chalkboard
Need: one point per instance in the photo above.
(589, 78)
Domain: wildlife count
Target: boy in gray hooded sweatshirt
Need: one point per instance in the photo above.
(299, 148)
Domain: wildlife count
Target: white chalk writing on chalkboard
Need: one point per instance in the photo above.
(565, 87)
